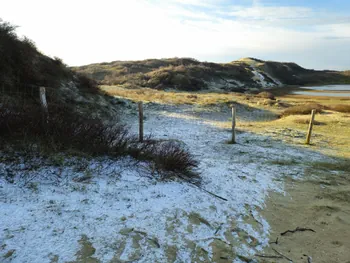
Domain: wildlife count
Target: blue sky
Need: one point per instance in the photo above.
(314, 34)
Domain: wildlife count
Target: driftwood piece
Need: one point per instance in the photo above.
(251, 214)
(279, 253)
(194, 184)
(274, 242)
(267, 256)
(309, 259)
(215, 195)
(218, 229)
(300, 229)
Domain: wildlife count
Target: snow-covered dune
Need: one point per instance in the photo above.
(100, 210)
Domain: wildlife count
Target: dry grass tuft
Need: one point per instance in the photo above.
(266, 95)
(168, 158)
(307, 121)
(340, 108)
(170, 97)
(303, 109)
(171, 156)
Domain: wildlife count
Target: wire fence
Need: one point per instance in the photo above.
(46, 97)
(24, 94)
(257, 116)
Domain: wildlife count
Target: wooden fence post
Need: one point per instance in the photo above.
(43, 101)
(233, 140)
(140, 121)
(308, 137)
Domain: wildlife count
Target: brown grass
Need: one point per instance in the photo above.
(172, 97)
(303, 109)
(340, 108)
(307, 121)
(336, 128)
(266, 95)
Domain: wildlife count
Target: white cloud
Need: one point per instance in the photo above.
(270, 13)
(199, 3)
(284, 15)
(83, 32)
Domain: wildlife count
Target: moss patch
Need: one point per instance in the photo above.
(196, 219)
(86, 252)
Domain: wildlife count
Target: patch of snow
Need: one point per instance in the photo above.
(278, 82)
(49, 215)
(217, 85)
(238, 83)
(220, 84)
(258, 77)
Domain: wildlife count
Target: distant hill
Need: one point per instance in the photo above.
(190, 74)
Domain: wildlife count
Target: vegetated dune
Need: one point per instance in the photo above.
(346, 72)
(192, 75)
(80, 116)
(23, 69)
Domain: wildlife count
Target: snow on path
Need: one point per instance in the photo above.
(128, 217)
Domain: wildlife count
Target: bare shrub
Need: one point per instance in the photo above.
(167, 156)
(16, 120)
(303, 109)
(85, 134)
(170, 156)
(69, 130)
(87, 84)
(66, 129)
(194, 97)
(266, 95)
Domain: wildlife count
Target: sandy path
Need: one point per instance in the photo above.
(321, 203)
(266, 164)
